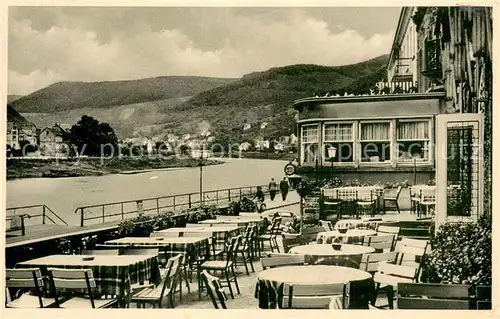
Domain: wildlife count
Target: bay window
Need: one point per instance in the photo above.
(413, 138)
(340, 136)
(375, 141)
(309, 144)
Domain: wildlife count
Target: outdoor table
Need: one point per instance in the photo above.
(192, 247)
(242, 222)
(357, 223)
(220, 234)
(324, 254)
(352, 236)
(114, 275)
(271, 281)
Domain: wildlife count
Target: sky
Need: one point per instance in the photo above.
(52, 44)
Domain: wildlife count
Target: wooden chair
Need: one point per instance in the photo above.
(224, 266)
(411, 252)
(327, 225)
(393, 200)
(349, 198)
(303, 296)
(369, 262)
(414, 199)
(271, 236)
(154, 295)
(388, 276)
(426, 201)
(432, 296)
(28, 287)
(281, 260)
(214, 290)
(245, 249)
(17, 224)
(380, 243)
(483, 297)
(366, 200)
(389, 230)
(331, 204)
(101, 252)
(66, 280)
(310, 234)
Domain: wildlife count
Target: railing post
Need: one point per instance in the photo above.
(240, 193)
(43, 214)
(158, 205)
(103, 216)
(122, 210)
(174, 203)
(81, 217)
(228, 195)
(189, 200)
(217, 197)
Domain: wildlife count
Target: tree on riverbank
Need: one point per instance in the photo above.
(93, 138)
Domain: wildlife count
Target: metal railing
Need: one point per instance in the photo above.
(115, 211)
(37, 214)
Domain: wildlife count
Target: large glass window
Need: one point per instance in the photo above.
(309, 144)
(413, 139)
(340, 136)
(375, 140)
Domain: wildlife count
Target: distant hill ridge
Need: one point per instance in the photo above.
(64, 96)
(158, 106)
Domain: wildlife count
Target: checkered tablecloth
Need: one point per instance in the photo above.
(113, 274)
(352, 236)
(192, 247)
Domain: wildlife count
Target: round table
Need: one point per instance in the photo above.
(324, 254)
(271, 281)
(352, 236)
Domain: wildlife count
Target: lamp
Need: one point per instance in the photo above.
(201, 156)
(332, 152)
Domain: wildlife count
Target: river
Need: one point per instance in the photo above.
(64, 195)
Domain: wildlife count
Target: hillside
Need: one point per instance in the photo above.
(255, 98)
(64, 96)
(12, 97)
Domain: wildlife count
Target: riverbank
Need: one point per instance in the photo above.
(19, 168)
(282, 156)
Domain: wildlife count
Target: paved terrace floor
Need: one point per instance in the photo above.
(245, 300)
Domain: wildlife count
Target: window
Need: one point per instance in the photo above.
(413, 140)
(340, 136)
(59, 139)
(309, 144)
(375, 140)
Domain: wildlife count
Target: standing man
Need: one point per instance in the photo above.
(273, 189)
(284, 188)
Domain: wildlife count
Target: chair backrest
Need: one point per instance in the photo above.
(280, 260)
(410, 249)
(379, 242)
(77, 280)
(398, 192)
(427, 195)
(141, 251)
(483, 297)
(366, 194)
(25, 278)
(390, 273)
(327, 225)
(196, 225)
(232, 248)
(214, 290)
(100, 252)
(165, 234)
(369, 262)
(347, 194)
(388, 229)
(303, 296)
(432, 296)
(288, 243)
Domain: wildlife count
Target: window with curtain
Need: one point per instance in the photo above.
(340, 136)
(413, 139)
(375, 140)
(309, 144)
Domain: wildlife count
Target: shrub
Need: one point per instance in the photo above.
(461, 253)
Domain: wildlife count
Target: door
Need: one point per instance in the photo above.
(459, 167)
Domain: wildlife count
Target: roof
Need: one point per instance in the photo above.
(55, 130)
(404, 19)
